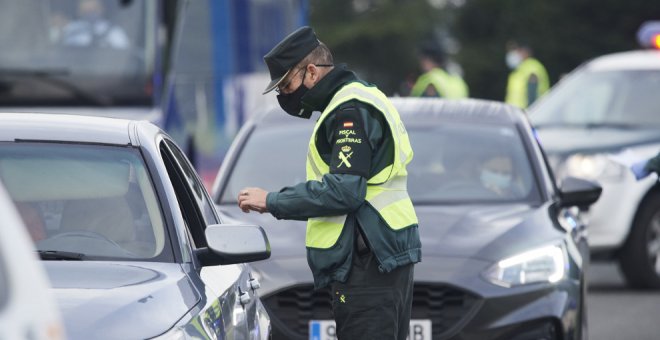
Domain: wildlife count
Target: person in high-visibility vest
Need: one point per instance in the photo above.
(528, 79)
(436, 81)
(362, 234)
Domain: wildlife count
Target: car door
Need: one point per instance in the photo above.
(229, 285)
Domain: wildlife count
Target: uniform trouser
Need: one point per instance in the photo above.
(373, 305)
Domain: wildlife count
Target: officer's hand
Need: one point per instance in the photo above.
(252, 199)
(639, 170)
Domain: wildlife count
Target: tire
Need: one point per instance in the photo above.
(639, 258)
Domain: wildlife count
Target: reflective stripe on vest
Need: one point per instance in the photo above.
(516, 91)
(447, 85)
(386, 191)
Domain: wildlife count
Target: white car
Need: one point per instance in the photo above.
(27, 307)
(602, 113)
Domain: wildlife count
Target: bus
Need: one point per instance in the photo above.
(194, 68)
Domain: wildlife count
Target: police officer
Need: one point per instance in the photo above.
(528, 79)
(436, 81)
(362, 235)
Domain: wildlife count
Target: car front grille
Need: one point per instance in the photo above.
(447, 307)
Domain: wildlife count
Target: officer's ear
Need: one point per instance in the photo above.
(313, 72)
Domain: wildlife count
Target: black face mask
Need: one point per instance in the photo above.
(292, 102)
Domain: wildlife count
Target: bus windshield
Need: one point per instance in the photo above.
(77, 52)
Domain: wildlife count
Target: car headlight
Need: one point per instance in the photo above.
(596, 166)
(546, 264)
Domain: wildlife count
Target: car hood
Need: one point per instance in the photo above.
(566, 140)
(486, 232)
(120, 300)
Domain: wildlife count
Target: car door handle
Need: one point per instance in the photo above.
(254, 284)
(244, 298)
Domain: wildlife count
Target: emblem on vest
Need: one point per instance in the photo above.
(344, 154)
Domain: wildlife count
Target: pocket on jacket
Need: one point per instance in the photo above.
(365, 313)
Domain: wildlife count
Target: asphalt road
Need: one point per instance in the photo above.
(618, 313)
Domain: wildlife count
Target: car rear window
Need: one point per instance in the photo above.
(91, 199)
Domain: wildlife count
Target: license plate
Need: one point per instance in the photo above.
(326, 330)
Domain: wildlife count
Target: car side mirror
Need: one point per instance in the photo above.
(234, 243)
(578, 192)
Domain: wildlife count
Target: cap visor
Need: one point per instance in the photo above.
(273, 83)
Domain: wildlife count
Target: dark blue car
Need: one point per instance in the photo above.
(503, 248)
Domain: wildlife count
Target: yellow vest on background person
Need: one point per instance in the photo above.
(516, 90)
(386, 190)
(446, 85)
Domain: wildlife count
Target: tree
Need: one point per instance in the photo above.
(563, 34)
(377, 38)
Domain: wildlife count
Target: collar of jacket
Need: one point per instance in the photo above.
(318, 97)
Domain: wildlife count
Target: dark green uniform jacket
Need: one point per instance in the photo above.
(653, 165)
(343, 190)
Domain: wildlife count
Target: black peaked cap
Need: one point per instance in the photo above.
(288, 53)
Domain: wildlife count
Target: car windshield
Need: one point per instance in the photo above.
(602, 98)
(271, 159)
(453, 163)
(95, 201)
(76, 52)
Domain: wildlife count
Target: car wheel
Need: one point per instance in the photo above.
(640, 256)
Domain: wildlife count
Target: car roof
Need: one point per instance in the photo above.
(632, 60)
(415, 110)
(61, 127)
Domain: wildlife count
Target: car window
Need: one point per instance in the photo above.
(592, 98)
(198, 189)
(186, 198)
(91, 199)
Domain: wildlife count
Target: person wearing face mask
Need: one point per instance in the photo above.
(528, 79)
(92, 29)
(497, 175)
(362, 234)
(436, 81)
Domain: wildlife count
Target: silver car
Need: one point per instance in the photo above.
(127, 233)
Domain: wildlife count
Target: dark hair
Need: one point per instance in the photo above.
(521, 44)
(320, 55)
(433, 51)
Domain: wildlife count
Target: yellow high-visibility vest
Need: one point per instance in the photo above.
(386, 191)
(447, 85)
(516, 90)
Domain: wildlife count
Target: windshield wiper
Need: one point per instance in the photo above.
(60, 255)
(611, 125)
(52, 76)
